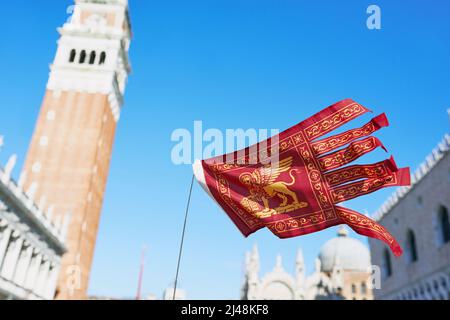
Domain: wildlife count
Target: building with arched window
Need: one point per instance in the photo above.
(410, 247)
(386, 264)
(418, 216)
(342, 271)
(443, 225)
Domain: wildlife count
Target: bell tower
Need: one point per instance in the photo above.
(70, 151)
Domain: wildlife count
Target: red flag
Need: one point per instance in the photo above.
(293, 182)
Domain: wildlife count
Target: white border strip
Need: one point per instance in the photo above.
(200, 176)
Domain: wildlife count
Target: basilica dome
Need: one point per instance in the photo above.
(344, 252)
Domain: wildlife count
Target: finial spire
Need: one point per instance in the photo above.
(57, 223)
(300, 259)
(342, 232)
(22, 179)
(10, 166)
(448, 113)
(317, 265)
(42, 203)
(31, 192)
(279, 263)
(300, 268)
(255, 253)
(49, 213)
(65, 225)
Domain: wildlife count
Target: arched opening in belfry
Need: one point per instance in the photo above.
(73, 54)
(102, 58)
(83, 57)
(92, 57)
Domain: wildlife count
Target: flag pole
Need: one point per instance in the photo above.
(182, 237)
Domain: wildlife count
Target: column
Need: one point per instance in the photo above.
(11, 257)
(443, 292)
(52, 281)
(5, 234)
(427, 295)
(422, 295)
(41, 281)
(23, 264)
(33, 270)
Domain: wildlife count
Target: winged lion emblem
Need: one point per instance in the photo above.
(263, 185)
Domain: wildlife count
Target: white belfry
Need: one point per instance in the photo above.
(92, 52)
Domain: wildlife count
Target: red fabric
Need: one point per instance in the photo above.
(339, 140)
(298, 193)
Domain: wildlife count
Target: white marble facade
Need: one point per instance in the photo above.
(342, 271)
(31, 243)
(418, 216)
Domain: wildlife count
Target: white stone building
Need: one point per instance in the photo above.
(418, 216)
(342, 271)
(31, 243)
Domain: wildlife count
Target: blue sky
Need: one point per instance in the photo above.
(231, 64)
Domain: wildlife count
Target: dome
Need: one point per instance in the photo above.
(344, 252)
